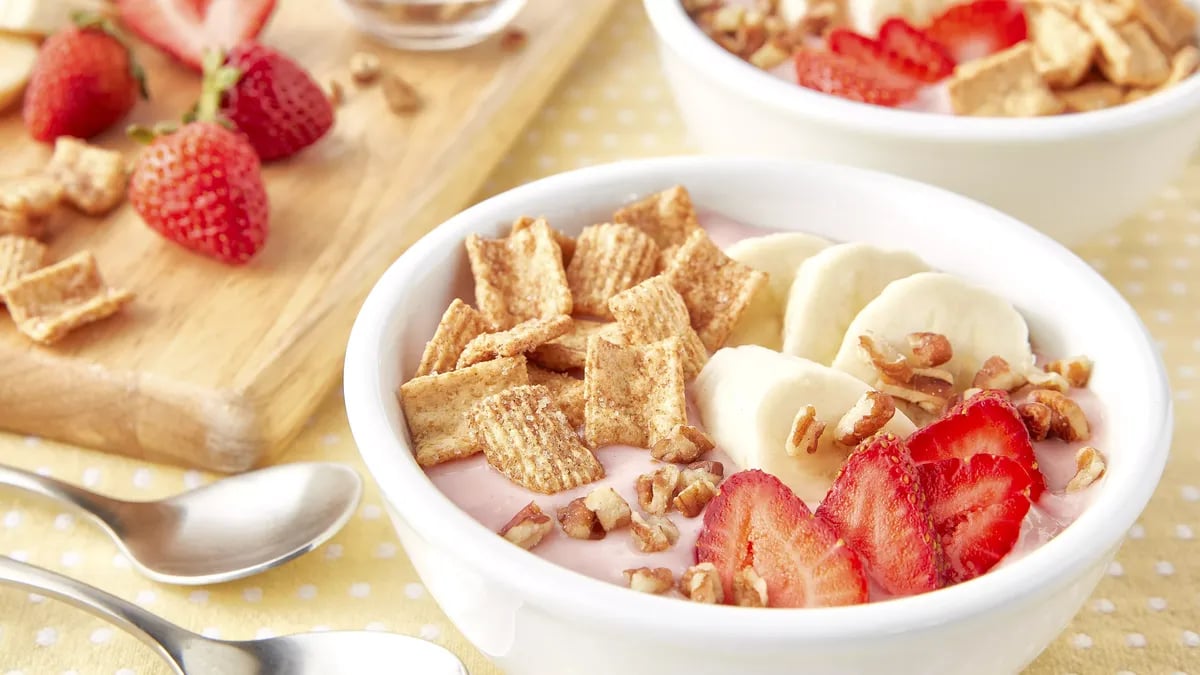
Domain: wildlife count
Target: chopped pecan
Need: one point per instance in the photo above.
(684, 444)
(929, 395)
(1067, 420)
(702, 583)
(527, 528)
(769, 55)
(867, 416)
(364, 67)
(655, 489)
(886, 359)
(646, 580)
(1037, 418)
(513, 39)
(692, 499)
(1076, 370)
(610, 508)
(709, 470)
(806, 432)
(749, 589)
(652, 534)
(929, 350)
(1046, 380)
(401, 97)
(1089, 465)
(996, 373)
(580, 522)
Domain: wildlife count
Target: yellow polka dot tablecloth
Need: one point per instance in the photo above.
(1144, 617)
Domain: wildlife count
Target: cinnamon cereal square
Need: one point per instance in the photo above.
(667, 216)
(93, 179)
(1127, 53)
(1094, 95)
(653, 311)
(520, 277)
(633, 395)
(569, 352)
(1171, 22)
(566, 391)
(36, 195)
(1063, 50)
(609, 258)
(19, 256)
(715, 288)
(460, 324)
(1005, 84)
(521, 338)
(565, 242)
(53, 301)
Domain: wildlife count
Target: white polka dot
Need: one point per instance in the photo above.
(611, 93)
(1138, 262)
(360, 590)
(1181, 263)
(331, 439)
(264, 633)
(1135, 288)
(376, 626)
(1193, 239)
(1104, 606)
(91, 476)
(19, 556)
(14, 672)
(570, 139)
(192, 479)
(533, 136)
(1183, 394)
(1112, 240)
(211, 632)
(372, 512)
(70, 559)
(1184, 532)
(430, 632)
(35, 599)
(1157, 215)
(546, 162)
(198, 597)
(414, 590)
(626, 116)
(1156, 604)
(587, 114)
(120, 561)
(385, 550)
(651, 92)
(1135, 640)
(1137, 532)
(1115, 569)
(1171, 193)
(253, 594)
(1100, 264)
(664, 119)
(1177, 288)
(1191, 638)
(145, 597)
(333, 551)
(306, 592)
(1190, 493)
(12, 519)
(101, 635)
(46, 637)
(142, 478)
(1164, 568)
(1164, 316)
(610, 140)
(649, 140)
(1186, 371)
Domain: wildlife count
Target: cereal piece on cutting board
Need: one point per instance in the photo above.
(55, 300)
(715, 288)
(436, 406)
(569, 352)
(667, 216)
(1005, 84)
(460, 324)
(633, 395)
(520, 339)
(93, 179)
(19, 256)
(520, 277)
(652, 311)
(1127, 53)
(1063, 50)
(527, 438)
(609, 258)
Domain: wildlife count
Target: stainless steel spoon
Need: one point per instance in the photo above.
(332, 653)
(229, 529)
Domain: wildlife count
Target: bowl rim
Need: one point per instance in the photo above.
(676, 31)
(439, 522)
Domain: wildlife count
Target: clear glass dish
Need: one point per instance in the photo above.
(431, 24)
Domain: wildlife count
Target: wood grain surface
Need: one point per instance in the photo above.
(218, 367)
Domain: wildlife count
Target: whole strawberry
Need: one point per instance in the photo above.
(83, 82)
(269, 98)
(201, 187)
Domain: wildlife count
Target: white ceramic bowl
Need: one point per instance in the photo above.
(1071, 176)
(535, 618)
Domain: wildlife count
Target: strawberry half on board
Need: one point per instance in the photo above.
(757, 520)
(187, 29)
(977, 506)
(877, 506)
(853, 78)
(985, 424)
(977, 29)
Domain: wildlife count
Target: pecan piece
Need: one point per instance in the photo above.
(364, 67)
(1077, 370)
(749, 589)
(692, 499)
(1047, 380)
(1067, 420)
(996, 373)
(580, 522)
(1089, 465)
(929, 350)
(646, 580)
(1037, 418)
(610, 508)
(684, 444)
(866, 417)
(655, 489)
(652, 534)
(708, 470)
(527, 528)
(932, 396)
(702, 583)
(806, 432)
(885, 358)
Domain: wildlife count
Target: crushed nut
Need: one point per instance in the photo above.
(930, 350)
(1089, 465)
(645, 580)
(1077, 370)
(655, 489)
(1067, 420)
(927, 394)
(769, 55)
(1037, 418)
(513, 39)
(867, 416)
(610, 508)
(527, 528)
(692, 499)
(684, 444)
(702, 583)
(806, 433)
(886, 358)
(995, 373)
(728, 18)
(653, 534)
(401, 97)
(580, 522)
(335, 92)
(364, 67)
(694, 6)
(749, 589)
(1047, 380)
(709, 470)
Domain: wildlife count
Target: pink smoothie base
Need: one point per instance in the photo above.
(492, 499)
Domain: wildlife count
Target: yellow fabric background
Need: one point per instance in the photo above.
(1144, 617)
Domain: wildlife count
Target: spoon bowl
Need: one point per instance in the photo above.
(230, 529)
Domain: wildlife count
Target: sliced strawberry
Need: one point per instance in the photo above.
(976, 29)
(186, 29)
(928, 59)
(876, 504)
(756, 520)
(977, 506)
(850, 78)
(984, 424)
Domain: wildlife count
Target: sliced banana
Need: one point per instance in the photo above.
(41, 17)
(978, 323)
(748, 398)
(866, 16)
(17, 55)
(830, 289)
(778, 255)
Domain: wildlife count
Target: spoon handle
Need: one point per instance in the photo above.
(167, 639)
(98, 505)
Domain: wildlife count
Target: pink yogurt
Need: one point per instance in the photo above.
(492, 499)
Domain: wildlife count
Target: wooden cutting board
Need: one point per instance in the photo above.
(218, 367)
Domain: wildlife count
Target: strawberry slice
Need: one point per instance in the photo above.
(976, 29)
(186, 29)
(756, 520)
(977, 506)
(876, 504)
(984, 424)
(927, 60)
(854, 79)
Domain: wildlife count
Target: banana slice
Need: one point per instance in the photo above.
(778, 255)
(867, 15)
(17, 55)
(829, 290)
(41, 17)
(748, 398)
(978, 323)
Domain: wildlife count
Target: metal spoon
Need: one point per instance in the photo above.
(229, 529)
(332, 653)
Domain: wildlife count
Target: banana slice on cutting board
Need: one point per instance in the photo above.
(831, 288)
(748, 398)
(17, 54)
(778, 255)
(41, 17)
(978, 323)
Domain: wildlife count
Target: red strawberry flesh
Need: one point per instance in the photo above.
(976, 29)
(853, 79)
(186, 29)
(925, 59)
(756, 520)
(877, 506)
(987, 423)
